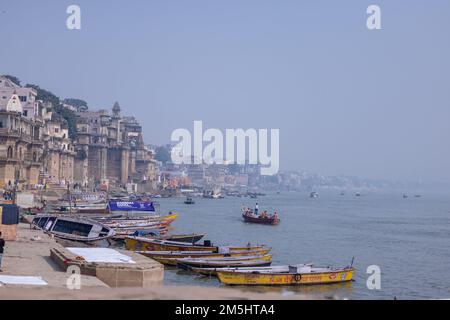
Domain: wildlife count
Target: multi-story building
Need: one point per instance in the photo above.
(20, 134)
(110, 150)
(35, 147)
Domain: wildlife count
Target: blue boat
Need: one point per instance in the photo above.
(131, 206)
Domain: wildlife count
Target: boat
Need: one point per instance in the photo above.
(156, 234)
(250, 217)
(213, 271)
(82, 208)
(313, 195)
(188, 238)
(225, 262)
(295, 275)
(147, 244)
(189, 200)
(214, 194)
(405, 196)
(417, 196)
(72, 228)
(131, 206)
(171, 257)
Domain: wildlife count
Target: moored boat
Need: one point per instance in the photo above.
(72, 228)
(146, 244)
(225, 262)
(305, 275)
(170, 257)
(131, 206)
(212, 271)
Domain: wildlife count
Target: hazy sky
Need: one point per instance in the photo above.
(346, 100)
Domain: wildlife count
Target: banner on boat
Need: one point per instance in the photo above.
(131, 206)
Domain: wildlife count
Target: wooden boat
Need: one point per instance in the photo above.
(81, 208)
(131, 206)
(212, 271)
(72, 228)
(250, 217)
(170, 257)
(225, 262)
(146, 244)
(189, 200)
(188, 238)
(305, 275)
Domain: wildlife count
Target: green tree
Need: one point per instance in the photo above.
(162, 154)
(13, 79)
(77, 103)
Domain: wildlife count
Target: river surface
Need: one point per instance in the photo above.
(409, 239)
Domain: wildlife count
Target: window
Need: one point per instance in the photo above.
(25, 113)
(56, 130)
(23, 98)
(1, 124)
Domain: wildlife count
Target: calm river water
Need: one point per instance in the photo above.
(407, 238)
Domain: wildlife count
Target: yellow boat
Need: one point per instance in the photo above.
(170, 258)
(305, 275)
(148, 244)
(279, 269)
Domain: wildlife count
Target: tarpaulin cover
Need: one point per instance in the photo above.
(101, 255)
(22, 280)
(10, 214)
(131, 206)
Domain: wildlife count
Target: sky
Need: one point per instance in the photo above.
(347, 100)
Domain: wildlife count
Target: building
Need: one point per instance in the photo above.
(21, 123)
(111, 151)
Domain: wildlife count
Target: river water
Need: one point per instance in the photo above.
(407, 238)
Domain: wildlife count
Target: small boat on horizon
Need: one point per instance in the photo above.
(313, 195)
(189, 200)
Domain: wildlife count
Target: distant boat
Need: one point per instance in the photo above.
(342, 193)
(189, 200)
(313, 195)
(73, 228)
(358, 194)
(405, 196)
(417, 196)
(249, 216)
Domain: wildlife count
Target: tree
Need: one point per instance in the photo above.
(162, 154)
(57, 107)
(81, 105)
(13, 79)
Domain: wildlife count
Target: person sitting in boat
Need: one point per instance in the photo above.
(275, 215)
(264, 215)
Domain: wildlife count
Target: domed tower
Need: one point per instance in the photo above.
(116, 110)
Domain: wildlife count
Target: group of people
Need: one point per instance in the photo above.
(264, 214)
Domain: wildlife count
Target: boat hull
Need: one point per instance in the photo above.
(145, 244)
(172, 259)
(267, 221)
(284, 279)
